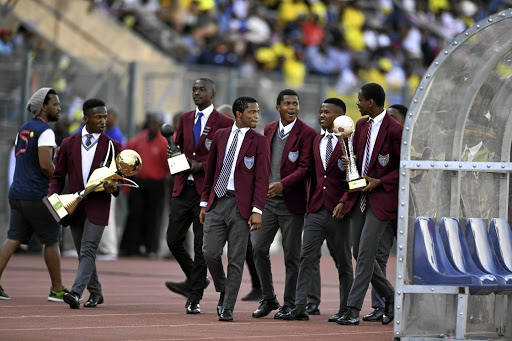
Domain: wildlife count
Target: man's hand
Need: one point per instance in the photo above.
(254, 221)
(274, 189)
(372, 184)
(339, 211)
(109, 186)
(169, 151)
(202, 215)
(195, 166)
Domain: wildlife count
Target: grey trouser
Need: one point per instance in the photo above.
(223, 223)
(277, 216)
(87, 238)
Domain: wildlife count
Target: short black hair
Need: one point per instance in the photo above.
(92, 103)
(241, 103)
(286, 92)
(374, 91)
(402, 109)
(337, 102)
(208, 81)
(47, 98)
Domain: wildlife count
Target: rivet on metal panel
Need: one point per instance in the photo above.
(467, 34)
(399, 277)
(455, 43)
(401, 247)
(460, 165)
(428, 75)
(488, 166)
(403, 188)
(397, 322)
(417, 165)
(405, 142)
(446, 165)
(477, 26)
(445, 52)
(431, 289)
(410, 114)
(437, 63)
(490, 20)
(502, 14)
(461, 314)
(403, 164)
(399, 292)
(431, 165)
(474, 166)
(402, 232)
(403, 173)
(397, 333)
(415, 101)
(407, 128)
(502, 166)
(421, 88)
(401, 217)
(398, 307)
(402, 203)
(400, 259)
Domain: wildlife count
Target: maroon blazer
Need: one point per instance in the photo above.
(95, 206)
(384, 165)
(251, 171)
(329, 185)
(296, 163)
(184, 138)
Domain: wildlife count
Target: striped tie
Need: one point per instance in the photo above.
(222, 184)
(88, 142)
(364, 195)
(328, 150)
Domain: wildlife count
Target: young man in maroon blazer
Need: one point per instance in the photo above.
(324, 219)
(377, 147)
(234, 194)
(291, 160)
(78, 157)
(194, 138)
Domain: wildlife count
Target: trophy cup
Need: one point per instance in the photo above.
(127, 163)
(344, 126)
(177, 162)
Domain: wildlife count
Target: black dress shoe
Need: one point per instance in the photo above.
(374, 316)
(73, 299)
(389, 312)
(220, 303)
(297, 313)
(94, 300)
(312, 309)
(350, 318)
(283, 311)
(266, 307)
(226, 316)
(254, 295)
(193, 307)
(337, 316)
(183, 288)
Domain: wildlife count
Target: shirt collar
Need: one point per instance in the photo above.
(206, 111)
(327, 134)
(242, 130)
(288, 127)
(379, 117)
(94, 135)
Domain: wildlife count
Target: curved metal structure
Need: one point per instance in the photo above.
(455, 162)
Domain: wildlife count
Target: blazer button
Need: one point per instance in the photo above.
(325, 187)
(325, 176)
(194, 153)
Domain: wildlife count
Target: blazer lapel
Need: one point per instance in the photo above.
(381, 136)
(207, 127)
(101, 150)
(246, 143)
(76, 158)
(334, 156)
(224, 138)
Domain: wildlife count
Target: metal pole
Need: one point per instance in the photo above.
(132, 90)
(25, 87)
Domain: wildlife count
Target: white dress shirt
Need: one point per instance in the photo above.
(323, 146)
(88, 155)
(377, 122)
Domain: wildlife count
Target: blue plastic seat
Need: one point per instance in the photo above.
(501, 240)
(483, 255)
(430, 263)
(460, 258)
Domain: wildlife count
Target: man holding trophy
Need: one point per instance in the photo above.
(79, 156)
(376, 142)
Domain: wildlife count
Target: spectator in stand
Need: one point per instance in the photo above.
(6, 44)
(145, 204)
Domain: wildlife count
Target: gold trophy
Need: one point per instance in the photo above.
(344, 126)
(127, 163)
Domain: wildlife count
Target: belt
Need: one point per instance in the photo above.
(230, 194)
(190, 183)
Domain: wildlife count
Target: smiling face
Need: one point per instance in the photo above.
(51, 111)
(288, 109)
(327, 115)
(249, 118)
(96, 119)
(202, 94)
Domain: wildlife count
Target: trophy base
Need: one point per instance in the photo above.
(357, 185)
(178, 164)
(56, 207)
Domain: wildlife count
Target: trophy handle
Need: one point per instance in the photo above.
(130, 183)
